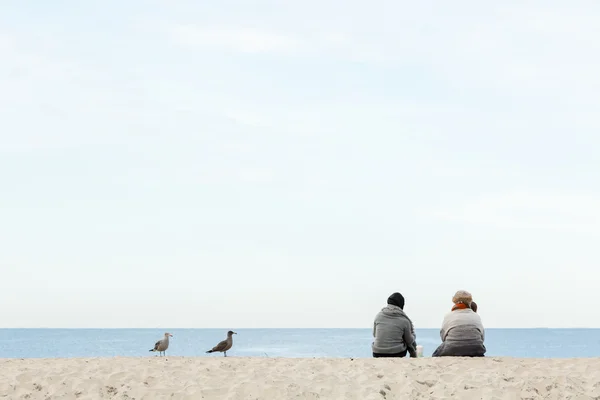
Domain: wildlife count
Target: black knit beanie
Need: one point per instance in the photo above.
(396, 299)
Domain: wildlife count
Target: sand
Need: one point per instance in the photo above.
(271, 378)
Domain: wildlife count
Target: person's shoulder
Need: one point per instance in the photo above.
(476, 316)
(467, 311)
(405, 317)
(459, 314)
(471, 315)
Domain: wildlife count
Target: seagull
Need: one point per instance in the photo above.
(162, 345)
(225, 345)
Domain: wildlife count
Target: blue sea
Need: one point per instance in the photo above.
(34, 343)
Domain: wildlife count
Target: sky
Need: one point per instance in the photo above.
(267, 164)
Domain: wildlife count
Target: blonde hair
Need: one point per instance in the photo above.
(462, 296)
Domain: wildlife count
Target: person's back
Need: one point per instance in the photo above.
(462, 331)
(462, 325)
(393, 330)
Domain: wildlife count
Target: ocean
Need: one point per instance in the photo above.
(348, 343)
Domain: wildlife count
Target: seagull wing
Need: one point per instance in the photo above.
(221, 346)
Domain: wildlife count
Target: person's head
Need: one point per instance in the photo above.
(397, 300)
(463, 297)
(474, 306)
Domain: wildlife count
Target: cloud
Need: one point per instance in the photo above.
(247, 118)
(256, 175)
(6, 43)
(529, 210)
(505, 48)
(238, 39)
(331, 44)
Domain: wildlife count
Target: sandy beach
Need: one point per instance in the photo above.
(271, 378)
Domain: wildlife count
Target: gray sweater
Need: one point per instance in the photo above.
(461, 325)
(393, 331)
(462, 335)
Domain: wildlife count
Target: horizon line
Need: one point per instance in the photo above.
(274, 328)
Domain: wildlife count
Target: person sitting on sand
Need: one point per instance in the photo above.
(462, 332)
(393, 331)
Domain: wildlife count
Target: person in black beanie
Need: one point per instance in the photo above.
(393, 331)
(396, 299)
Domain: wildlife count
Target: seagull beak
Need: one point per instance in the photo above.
(235, 333)
(170, 335)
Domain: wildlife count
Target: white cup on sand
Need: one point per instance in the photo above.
(419, 350)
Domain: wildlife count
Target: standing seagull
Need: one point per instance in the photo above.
(224, 345)
(162, 345)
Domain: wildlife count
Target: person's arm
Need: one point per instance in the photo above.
(409, 339)
(444, 330)
(414, 343)
(374, 328)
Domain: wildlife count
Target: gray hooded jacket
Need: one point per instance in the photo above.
(462, 335)
(393, 331)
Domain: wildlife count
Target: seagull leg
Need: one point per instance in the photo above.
(225, 353)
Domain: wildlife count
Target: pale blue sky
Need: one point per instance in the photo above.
(290, 164)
